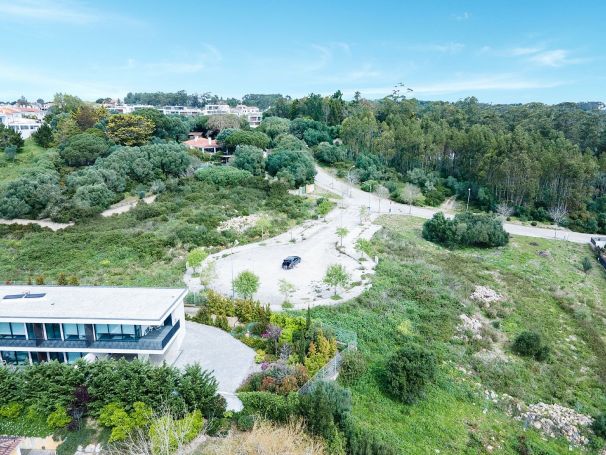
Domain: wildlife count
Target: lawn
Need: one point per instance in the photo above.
(419, 292)
(30, 157)
(146, 246)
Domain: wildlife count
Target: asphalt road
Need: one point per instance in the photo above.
(316, 242)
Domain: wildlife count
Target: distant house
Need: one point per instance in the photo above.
(198, 142)
(12, 445)
(23, 120)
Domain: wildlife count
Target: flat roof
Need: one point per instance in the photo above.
(87, 302)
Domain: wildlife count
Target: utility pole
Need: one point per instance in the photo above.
(468, 196)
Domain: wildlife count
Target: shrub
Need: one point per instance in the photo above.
(528, 344)
(330, 154)
(353, 366)
(270, 406)
(296, 167)
(83, 149)
(408, 371)
(252, 138)
(58, 418)
(369, 186)
(245, 422)
(249, 158)
(11, 410)
(196, 256)
(465, 229)
(224, 176)
(599, 425)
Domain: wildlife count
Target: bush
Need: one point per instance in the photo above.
(330, 154)
(353, 366)
(599, 425)
(196, 256)
(83, 149)
(252, 138)
(11, 410)
(528, 344)
(249, 158)
(296, 167)
(224, 176)
(245, 422)
(465, 229)
(58, 418)
(408, 371)
(270, 406)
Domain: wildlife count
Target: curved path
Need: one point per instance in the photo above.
(376, 204)
(319, 246)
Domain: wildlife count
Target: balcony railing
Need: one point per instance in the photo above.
(154, 341)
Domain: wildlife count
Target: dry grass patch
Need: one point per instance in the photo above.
(266, 439)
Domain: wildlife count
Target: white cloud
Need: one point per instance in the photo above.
(187, 63)
(555, 58)
(518, 51)
(462, 16)
(470, 85)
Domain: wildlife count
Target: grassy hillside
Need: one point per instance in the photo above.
(31, 156)
(146, 246)
(420, 290)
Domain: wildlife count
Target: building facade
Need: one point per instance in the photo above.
(65, 323)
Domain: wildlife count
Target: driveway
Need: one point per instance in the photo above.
(230, 360)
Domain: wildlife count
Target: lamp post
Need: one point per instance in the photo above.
(468, 196)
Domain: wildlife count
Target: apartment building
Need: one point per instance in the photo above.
(66, 323)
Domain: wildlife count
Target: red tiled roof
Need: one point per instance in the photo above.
(201, 142)
(8, 444)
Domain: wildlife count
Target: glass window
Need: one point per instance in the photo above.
(58, 356)
(74, 356)
(13, 330)
(74, 332)
(53, 331)
(15, 357)
(117, 332)
(5, 330)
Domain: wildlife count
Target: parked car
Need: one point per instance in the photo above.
(290, 262)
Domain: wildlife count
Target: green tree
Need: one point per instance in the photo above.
(86, 116)
(336, 276)
(241, 137)
(295, 167)
(129, 129)
(274, 126)
(10, 152)
(324, 207)
(342, 232)
(196, 256)
(10, 138)
(246, 284)
(286, 288)
(249, 158)
(43, 136)
(83, 149)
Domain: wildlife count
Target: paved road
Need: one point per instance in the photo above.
(358, 197)
(316, 242)
(230, 360)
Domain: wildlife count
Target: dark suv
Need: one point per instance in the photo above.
(290, 262)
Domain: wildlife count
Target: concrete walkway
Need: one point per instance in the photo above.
(230, 360)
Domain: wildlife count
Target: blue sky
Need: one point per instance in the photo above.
(508, 51)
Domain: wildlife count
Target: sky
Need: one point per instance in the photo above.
(498, 51)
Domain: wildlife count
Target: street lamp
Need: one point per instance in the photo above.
(468, 196)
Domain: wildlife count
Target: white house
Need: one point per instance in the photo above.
(66, 323)
(23, 120)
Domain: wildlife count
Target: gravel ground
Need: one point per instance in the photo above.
(316, 242)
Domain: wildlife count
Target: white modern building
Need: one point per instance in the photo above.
(66, 323)
(23, 120)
